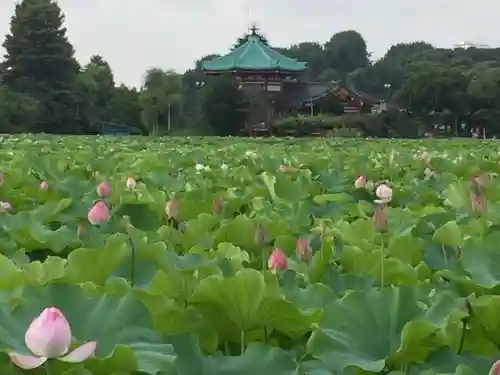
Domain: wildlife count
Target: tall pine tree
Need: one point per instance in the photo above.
(40, 63)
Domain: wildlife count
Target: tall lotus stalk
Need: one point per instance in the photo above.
(380, 223)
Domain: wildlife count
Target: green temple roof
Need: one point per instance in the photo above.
(254, 55)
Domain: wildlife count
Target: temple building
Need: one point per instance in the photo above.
(273, 81)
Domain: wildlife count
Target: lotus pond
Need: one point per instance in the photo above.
(232, 256)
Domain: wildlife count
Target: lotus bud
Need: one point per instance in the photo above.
(217, 206)
(425, 156)
(172, 209)
(1, 178)
(383, 193)
(49, 336)
(284, 168)
(303, 249)
(474, 186)
(103, 190)
(495, 369)
(98, 213)
(260, 235)
(130, 183)
(44, 185)
(379, 218)
(277, 260)
(5, 206)
(360, 182)
(478, 203)
(482, 180)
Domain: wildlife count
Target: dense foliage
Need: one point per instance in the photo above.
(236, 257)
(44, 89)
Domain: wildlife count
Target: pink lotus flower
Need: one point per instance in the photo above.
(5, 206)
(98, 213)
(103, 190)
(360, 182)
(303, 249)
(44, 185)
(495, 369)
(277, 260)
(130, 183)
(49, 336)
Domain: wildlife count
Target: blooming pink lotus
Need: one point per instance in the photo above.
(103, 190)
(44, 185)
(49, 336)
(360, 182)
(277, 260)
(130, 183)
(98, 213)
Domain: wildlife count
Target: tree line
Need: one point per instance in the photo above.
(44, 89)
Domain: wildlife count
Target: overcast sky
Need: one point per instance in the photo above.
(135, 35)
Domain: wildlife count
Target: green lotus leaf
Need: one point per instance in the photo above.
(97, 264)
(245, 303)
(480, 259)
(141, 215)
(256, 359)
(239, 231)
(444, 361)
(449, 234)
(32, 234)
(397, 329)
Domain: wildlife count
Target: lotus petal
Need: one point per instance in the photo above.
(26, 362)
(81, 353)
